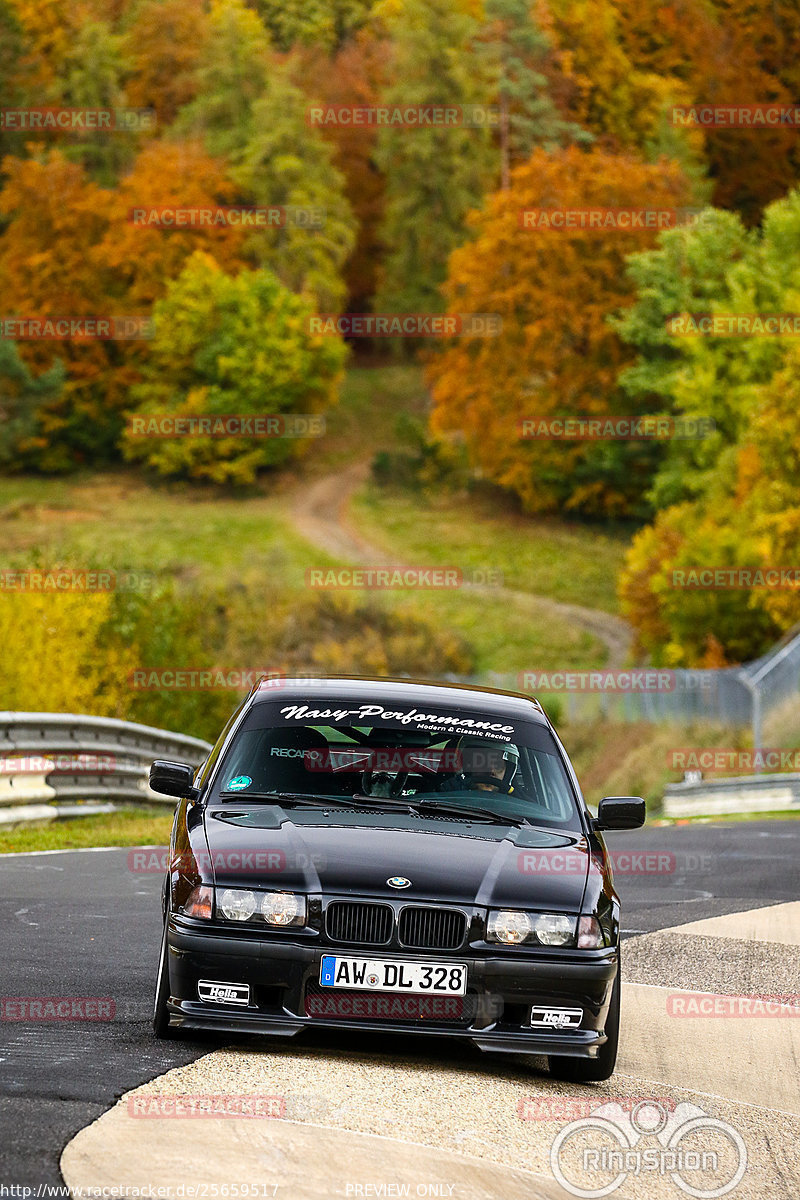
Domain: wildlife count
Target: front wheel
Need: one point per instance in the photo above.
(593, 1070)
(161, 1026)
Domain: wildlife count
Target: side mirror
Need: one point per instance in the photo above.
(173, 779)
(620, 812)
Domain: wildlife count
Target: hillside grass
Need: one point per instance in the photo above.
(200, 537)
(561, 560)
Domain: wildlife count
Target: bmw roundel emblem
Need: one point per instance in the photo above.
(397, 881)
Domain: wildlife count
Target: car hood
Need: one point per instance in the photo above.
(355, 854)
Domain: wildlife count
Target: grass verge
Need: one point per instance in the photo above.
(128, 827)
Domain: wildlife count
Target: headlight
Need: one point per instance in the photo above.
(543, 929)
(284, 908)
(277, 908)
(554, 929)
(509, 927)
(237, 905)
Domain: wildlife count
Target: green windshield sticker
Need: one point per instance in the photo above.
(239, 783)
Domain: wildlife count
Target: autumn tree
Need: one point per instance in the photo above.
(225, 345)
(556, 355)
(164, 41)
(145, 256)
(56, 217)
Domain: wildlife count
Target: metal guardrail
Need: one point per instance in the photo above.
(745, 794)
(64, 756)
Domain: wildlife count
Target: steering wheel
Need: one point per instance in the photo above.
(487, 780)
(381, 783)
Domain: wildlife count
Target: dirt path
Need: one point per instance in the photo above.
(321, 514)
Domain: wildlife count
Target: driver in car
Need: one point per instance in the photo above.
(485, 767)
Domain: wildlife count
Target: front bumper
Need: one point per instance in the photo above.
(285, 997)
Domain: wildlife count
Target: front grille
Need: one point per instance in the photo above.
(360, 924)
(432, 928)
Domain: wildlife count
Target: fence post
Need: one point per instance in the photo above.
(755, 715)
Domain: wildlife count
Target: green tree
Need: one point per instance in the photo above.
(225, 345)
(12, 48)
(733, 499)
(21, 395)
(516, 49)
(249, 112)
(92, 78)
(324, 24)
(713, 265)
(435, 173)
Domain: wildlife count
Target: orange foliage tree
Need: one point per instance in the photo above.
(163, 46)
(71, 249)
(556, 355)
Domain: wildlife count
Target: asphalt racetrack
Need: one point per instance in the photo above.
(81, 924)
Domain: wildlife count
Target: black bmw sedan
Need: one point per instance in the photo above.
(387, 854)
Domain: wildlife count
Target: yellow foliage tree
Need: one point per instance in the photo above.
(60, 656)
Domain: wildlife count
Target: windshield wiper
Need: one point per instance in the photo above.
(464, 810)
(298, 798)
(387, 801)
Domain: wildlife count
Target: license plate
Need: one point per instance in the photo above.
(388, 975)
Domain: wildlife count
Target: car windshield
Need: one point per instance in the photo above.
(447, 761)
